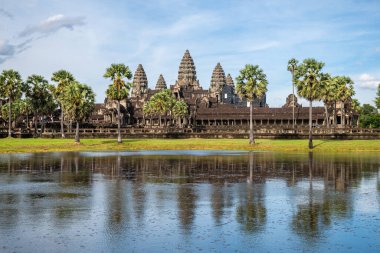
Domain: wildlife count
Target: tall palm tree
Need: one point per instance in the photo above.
(40, 95)
(292, 67)
(63, 78)
(308, 82)
(327, 95)
(163, 103)
(78, 104)
(117, 73)
(10, 88)
(345, 91)
(149, 110)
(377, 99)
(251, 84)
(180, 111)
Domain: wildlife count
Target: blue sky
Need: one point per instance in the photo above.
(85, 37)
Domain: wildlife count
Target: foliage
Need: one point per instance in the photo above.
(16, 110)
(377, 99)
(369, 117)
(39, 91)
(252, 82)
(309, 77)
(117, 73)
(79, 101)
(10, 84)
(114, 94)
(62, 78)
(180, 109)
(163, 102)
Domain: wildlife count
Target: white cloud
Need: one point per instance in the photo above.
(367, 81)
(53, 24)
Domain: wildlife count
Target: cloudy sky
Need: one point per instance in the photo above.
(84, 37)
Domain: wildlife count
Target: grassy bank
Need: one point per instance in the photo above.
(12, 145)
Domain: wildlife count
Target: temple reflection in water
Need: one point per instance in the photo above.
(246, 193)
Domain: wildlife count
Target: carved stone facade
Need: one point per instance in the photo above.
(217, 106)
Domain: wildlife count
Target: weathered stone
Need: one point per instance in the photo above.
(140, 82)
(218, 81)
(161, 84)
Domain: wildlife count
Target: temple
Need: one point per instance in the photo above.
(218, 106)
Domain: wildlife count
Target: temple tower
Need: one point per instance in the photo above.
(140, 82)
(218, 81)
(161, 84)
(230, 81)
(187, 75)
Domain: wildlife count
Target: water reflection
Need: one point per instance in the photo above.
(119, 197)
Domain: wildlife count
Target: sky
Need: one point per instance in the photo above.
(85, 37)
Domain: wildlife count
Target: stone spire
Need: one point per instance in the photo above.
(161, 84)
(187, 75)
(140, 82)
(218, 81)
(230, 81)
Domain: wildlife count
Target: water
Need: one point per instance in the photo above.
(189, 201)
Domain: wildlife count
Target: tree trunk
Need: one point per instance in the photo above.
(35, 123)
(159, 117)
(27, 121)
(10, 118)
(293, 98)
(251, 140)
(62, 130)
(118, 122)
(343, 117)
(77, 140)
(327, 116)
(334, 115)
(310, 124)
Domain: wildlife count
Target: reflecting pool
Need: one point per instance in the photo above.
(189, 201)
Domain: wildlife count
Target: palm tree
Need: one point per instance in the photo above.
(120, 90)
(78, 103)
(327, 95)
(63, 78)
(180, 110)
(26, 109)
(355, 107)
(251, 84)
(40, 95)
(292, 67)
(345, 91)
(149, 110)
(10, 88)
(163, 103)
(377, 99)
(308, 82)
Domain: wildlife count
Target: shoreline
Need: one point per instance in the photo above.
(16, 145)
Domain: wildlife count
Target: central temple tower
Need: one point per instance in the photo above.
(187, 75)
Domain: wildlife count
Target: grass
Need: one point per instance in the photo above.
(13, 145)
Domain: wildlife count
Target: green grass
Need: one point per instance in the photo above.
(12, 145)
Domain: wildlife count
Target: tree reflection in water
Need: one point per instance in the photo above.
(63, 187)
(251, 212)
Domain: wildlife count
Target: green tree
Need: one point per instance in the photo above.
(309, 78)
(10, 88)
(26, 109)
(78, 104)
(292, 67)
(356, 108)
(344, 93)
(39, 92)
(180, 111)
(117, 73)
(163, 102)
(251, 84)
(63, 78)
(149, 110)
(327, 95)
(377, 99)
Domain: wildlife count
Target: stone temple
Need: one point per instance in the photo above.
(217, 106)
